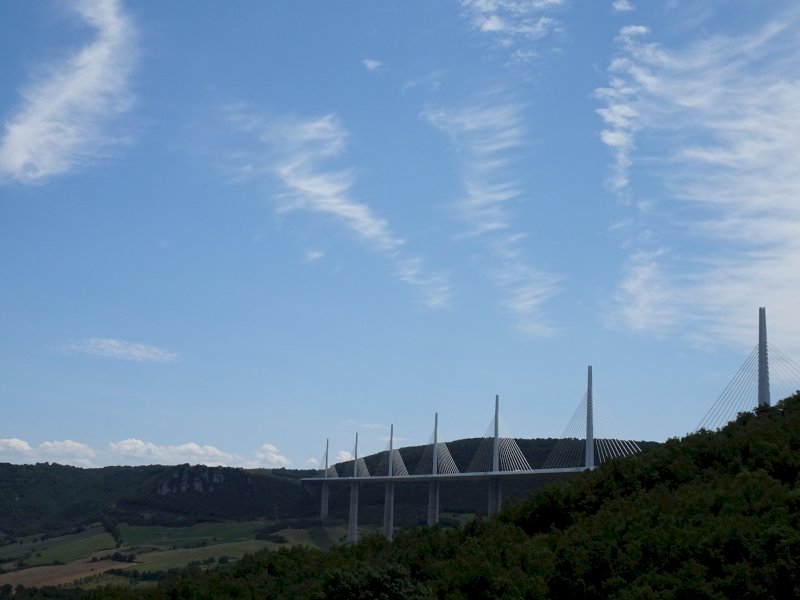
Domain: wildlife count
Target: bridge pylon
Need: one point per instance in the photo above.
(433, 485)
(388, 498)
(323, 510)
(352, 522)
(589, 423)
(495, 490)
(763, 359)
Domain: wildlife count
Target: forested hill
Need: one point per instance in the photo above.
(53, 499)
(712, 515)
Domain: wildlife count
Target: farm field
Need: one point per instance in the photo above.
(209, 533)
(66, 548)
(86, 556)
(52, 575)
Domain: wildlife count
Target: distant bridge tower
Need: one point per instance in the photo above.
(352, 524)
(323, 512)
(388, 498)
(589, 423)
(763, 359)
(495, 491)
(433, 484)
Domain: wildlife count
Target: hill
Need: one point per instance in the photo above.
(712, 515)
(51, 499)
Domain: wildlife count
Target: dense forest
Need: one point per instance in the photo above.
(712, 515)
(52, 499)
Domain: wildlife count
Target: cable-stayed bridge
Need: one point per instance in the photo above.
(498, 456)
(766, 373)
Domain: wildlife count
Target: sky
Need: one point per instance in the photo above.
(231, 231)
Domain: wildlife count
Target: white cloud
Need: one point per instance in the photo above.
(311, 255)
(148, 452)
(372, 65)
(137, 451)
(270, 457)
(123, 350)
(297, 154)
(15, 447)
(715, 122)
(435, 288)
(66, 452)
(622, 6)
(487, 137)
(61, 122)
(513, 23)
(312, 462)
(344, 456)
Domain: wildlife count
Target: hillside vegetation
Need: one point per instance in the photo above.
(712, 515)
(50, 499)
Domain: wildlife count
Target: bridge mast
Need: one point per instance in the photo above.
(323, 512)
(388, 498)
(763, 359)
(589, 423)
(495, 492)
(433, 485)
(352, 524)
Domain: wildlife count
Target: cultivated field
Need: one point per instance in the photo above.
(86, 557)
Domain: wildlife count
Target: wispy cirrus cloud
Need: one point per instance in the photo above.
(514, 25)
(121, 349)
(487, 136)
(372, 65)
(298, 154)
(622, 6)
(715, 125)
(434, 287)
(62, 121)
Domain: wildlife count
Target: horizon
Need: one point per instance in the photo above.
(232, 232)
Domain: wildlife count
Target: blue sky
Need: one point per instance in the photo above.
(231, 231)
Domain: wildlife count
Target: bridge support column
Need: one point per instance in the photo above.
(323, 509)
(763, 362)
(495, 497)
(352, 523)
(388, 512)
(433, 503)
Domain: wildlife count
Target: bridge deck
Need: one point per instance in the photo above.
(553, 473)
